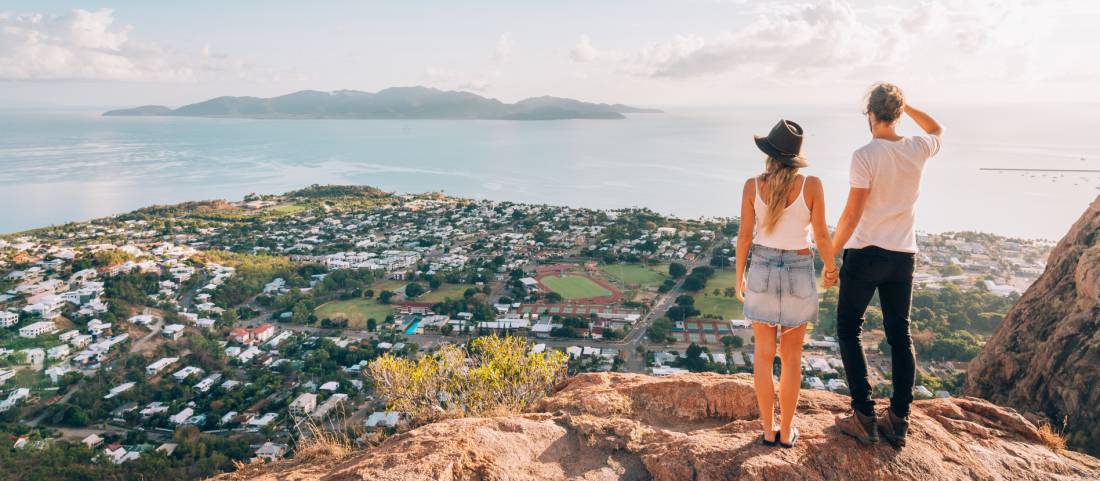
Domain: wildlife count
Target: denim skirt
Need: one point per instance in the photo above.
(781, 287)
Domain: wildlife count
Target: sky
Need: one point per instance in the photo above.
(642, 52)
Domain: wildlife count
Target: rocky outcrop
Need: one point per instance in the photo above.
(1045, 355)
(696, 427)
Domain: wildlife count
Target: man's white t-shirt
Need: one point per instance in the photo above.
(892, 170)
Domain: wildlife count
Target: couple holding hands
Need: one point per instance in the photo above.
(782, 212)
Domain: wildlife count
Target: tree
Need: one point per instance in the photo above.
(553, 297)
(300, 313)
(685, 300)
(676, 270)
(694, 361)
(385, 297)
(680, 313)
(733, 341)
(703, 271)
(413, 290)
(230, 317)
(950, 270)
(658, 331)
(694, 283)
(666, 286)
(372, 324)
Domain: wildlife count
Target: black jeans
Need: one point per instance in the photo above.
(891, 273)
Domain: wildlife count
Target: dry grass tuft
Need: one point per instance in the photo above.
(1054, 439)
(315, 443)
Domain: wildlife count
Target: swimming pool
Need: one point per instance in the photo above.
(412, 327)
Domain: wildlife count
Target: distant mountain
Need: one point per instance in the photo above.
(142, 111)
(391, 103)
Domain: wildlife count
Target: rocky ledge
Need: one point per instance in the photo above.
(1045, 356)
(696, 427)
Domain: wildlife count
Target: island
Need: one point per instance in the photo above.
(391, 103)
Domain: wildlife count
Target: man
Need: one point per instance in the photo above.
(877, 234)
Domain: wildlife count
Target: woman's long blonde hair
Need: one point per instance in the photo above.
(779, 177)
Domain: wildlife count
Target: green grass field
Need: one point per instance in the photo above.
(574, 287)
(356, 311)
(453, 291)
(287, 209)
(725, 307)
(394, 286)
(647, 277)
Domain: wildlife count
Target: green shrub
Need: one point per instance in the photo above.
(502, 376)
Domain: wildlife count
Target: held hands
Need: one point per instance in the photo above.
(831, 276)
(740, 290)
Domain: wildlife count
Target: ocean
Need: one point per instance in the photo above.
(58, 166)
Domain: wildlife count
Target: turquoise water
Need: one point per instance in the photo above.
(412, 327)
(59, 166)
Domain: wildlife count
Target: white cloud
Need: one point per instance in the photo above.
(942, 38)
(87, 45)
(505, 46)
(583, 51)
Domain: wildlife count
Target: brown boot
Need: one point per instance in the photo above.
(893, 427)
(860, 427)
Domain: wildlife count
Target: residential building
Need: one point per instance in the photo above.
(14, 398)
(387, 419)
(8, 318)
(262, 333)
(37, 329)
(58, 352)
(182, 416)
(270, 451)
(303, 405)
(155, 368)
(186, 372)
(92, 440)
(172, 331)
(121, 388)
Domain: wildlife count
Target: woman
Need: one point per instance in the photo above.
(778, 209)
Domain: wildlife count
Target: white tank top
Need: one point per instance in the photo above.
(792, 232)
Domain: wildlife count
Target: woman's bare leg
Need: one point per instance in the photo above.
(762, 365)
(790, 377)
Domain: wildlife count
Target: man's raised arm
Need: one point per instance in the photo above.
(924, 121)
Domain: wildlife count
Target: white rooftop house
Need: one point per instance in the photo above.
(208, 382)
(121, 388)
(92, 440)
(182, 416)
(275, 286)
(387, 419)
(8, 318)
(303, 405)
(271, 451)
(329, 405)
(156, 367)
(172, 331)
(261, 421)
(37, 329)
(186, 372)
(143, 319)
(14, 398)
